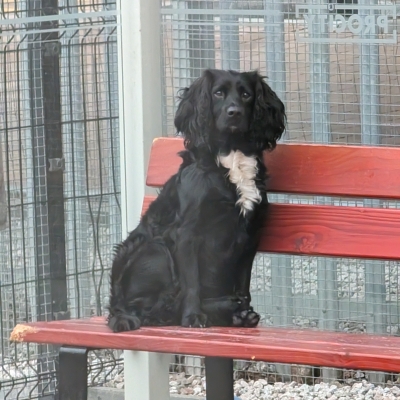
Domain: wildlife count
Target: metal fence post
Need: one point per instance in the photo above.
(45, 105)
(181, 57)
(275, 45)
(319, 80)
(201, 37)
(114, 182)
(50, 59)
(321, 133)
(3, 204)
(369, 89)
(230, 46)
(281, 265)
(375, 289)
(75, 172)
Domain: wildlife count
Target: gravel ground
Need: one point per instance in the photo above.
(287, 391)
(261, 389)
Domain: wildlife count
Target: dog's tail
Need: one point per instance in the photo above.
(119, 318)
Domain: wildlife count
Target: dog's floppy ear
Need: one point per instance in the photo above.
(194, 116)
(269, 116)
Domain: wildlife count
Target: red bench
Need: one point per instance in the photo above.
(363, 172)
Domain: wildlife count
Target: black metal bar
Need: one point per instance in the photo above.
(72, 373)
(219, 378)
(40, 196)
(44, 67)
(50, 57)
(201, 38)
(41, 233)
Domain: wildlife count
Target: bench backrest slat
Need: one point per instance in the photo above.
(328, 170)
(329, 231)
(336, 231)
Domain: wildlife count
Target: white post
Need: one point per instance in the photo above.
(146, 374)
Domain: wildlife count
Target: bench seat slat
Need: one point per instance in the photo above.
(354, 232)
(261, 344)
(328, 170)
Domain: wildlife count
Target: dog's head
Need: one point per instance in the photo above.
(228, 109)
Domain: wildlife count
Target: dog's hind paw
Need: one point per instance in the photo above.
(195, 321)
(123, 323)
(246, 318)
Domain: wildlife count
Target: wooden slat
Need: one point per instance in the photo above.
(329, 231)
(309, 347)
(307, 169)
(332, 231)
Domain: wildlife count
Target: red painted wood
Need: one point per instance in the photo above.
(332, 231)
(289, 228)
(341, 350)
(307, 168)
(329, 231)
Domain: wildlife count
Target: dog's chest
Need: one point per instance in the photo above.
(242, 173)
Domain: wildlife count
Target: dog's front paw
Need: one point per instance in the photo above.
(252, 319)
(195, 320)
(123, 323)
(246, 318)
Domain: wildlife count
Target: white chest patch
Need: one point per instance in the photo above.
(242, 173)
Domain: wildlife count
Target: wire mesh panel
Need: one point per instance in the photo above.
(334, 65)
(89, 82)
(59, 177)
(354, 76)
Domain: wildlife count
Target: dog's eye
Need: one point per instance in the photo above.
(219, 93)
(246, 95)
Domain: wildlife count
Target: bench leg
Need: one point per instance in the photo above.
(72, 374)
(146, 375)
(219, 378)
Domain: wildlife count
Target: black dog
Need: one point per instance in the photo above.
(189, 260)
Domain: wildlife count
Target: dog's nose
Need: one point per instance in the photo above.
(234, 111)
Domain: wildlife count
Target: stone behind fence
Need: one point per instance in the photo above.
(3, 204)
